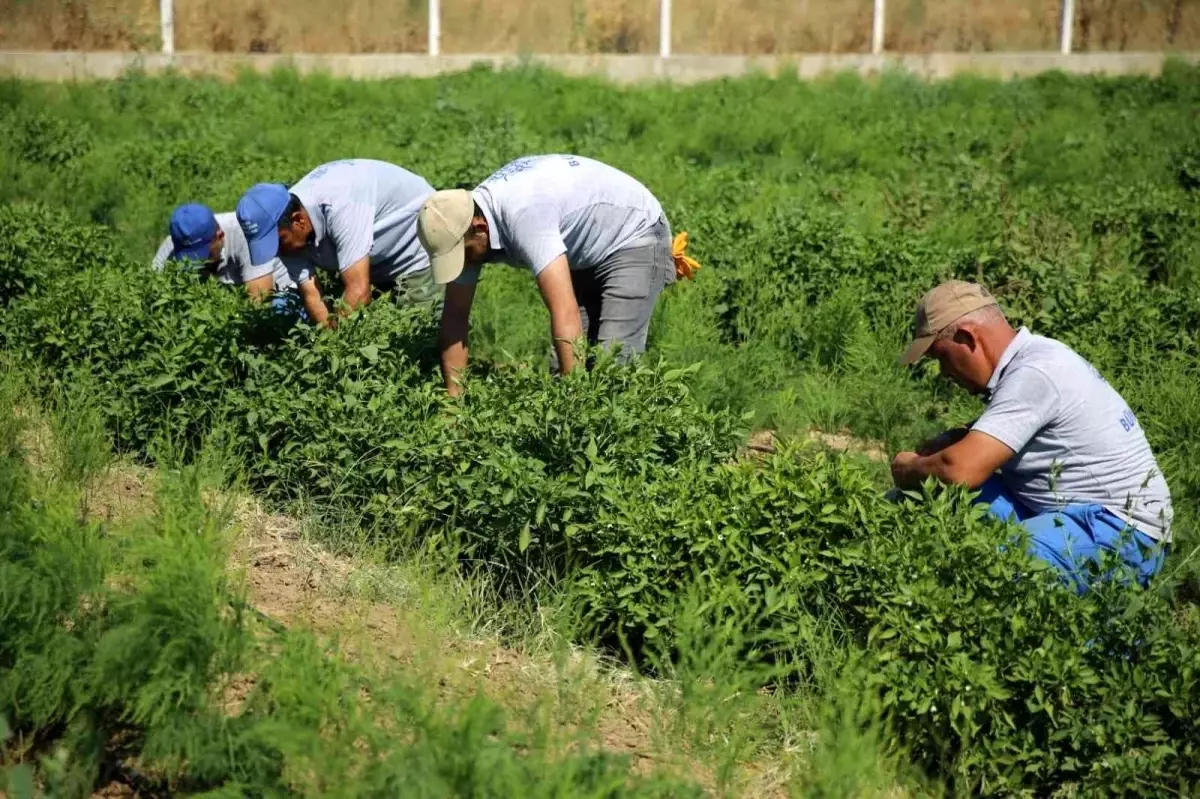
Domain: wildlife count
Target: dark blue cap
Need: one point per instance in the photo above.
(258, 212)
(193, 228)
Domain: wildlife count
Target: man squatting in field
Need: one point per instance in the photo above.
(357, 217)
(1075, 468)
(216, 243)
(596, 240)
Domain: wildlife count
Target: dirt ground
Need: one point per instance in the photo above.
(765, 442)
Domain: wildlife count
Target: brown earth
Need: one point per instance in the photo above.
(764, 442)
(590, 26)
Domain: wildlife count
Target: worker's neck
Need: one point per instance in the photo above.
(995, 340)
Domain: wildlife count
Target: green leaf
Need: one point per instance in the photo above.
(18, 781)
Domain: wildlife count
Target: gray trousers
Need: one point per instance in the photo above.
(411, 290)
(617, 297)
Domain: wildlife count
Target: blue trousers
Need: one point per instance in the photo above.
(1070, 538)
(287, 303)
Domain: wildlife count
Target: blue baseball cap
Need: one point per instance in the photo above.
(258, 212)
(193, 227)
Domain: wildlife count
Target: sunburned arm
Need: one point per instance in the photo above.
(357, 278)
(559, 295)
(260, 288)
(310, 293)
(452, 334)
(970, 462)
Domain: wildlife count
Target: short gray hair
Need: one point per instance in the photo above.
(987, 315)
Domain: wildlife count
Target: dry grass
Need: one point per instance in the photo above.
(764, 442)
(591, 26)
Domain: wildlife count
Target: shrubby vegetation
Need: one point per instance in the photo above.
(126, 651)
(821, 212)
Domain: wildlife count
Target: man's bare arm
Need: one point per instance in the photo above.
(260, 288)
(559, 295)
(357, 279)
(452, 334)
(310, 293)
(969, 462)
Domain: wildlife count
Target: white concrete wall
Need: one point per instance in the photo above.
(58, 66)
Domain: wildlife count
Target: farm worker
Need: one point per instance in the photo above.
(596, 240)
(1075, 468)
(357, 217)
(217, 244)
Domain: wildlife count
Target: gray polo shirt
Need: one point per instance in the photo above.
(1076, 441)
(362, 208)
(544, 206)
(234, 268)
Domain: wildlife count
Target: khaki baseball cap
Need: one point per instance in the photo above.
(442, 226)
(941, 307)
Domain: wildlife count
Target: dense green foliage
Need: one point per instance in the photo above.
(124, 643)
(821, 212)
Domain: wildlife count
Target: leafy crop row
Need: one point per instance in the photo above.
(620, 488)
(126, 652)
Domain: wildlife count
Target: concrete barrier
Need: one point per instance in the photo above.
(70, 66)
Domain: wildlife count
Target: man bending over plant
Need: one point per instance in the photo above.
(216, 245)
(357, 217)
(1075, 468)
(596, 240)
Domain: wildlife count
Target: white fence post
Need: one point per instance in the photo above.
(1068, 26)
(435, 27)
(877, 28)
(664, 28)
(166, 13)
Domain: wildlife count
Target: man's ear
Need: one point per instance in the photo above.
(965, 336)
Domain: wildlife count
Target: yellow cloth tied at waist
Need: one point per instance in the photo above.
(685, 266)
